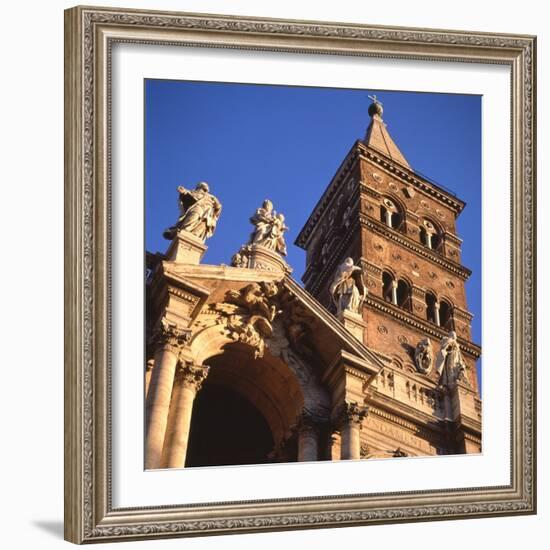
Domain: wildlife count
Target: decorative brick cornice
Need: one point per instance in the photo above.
(429, 328)
(417, 248)
(409, 177)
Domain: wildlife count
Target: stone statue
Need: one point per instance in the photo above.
(199, 212)
(269, 228)
(347, 289)
(423, 356)
(261, 220)
(450, 363)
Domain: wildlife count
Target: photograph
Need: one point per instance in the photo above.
(312, 274)
(300, 274)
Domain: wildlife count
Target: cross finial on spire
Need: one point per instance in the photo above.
(375, 107)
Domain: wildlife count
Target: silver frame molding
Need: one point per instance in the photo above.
(89, 35)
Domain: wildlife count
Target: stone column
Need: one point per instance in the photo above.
(189, 380)
(388, 218)
(351, 418)
(394, 293)
(436, 314)
(169, 341)
(308, 438)
(429, 235)
(148, 374)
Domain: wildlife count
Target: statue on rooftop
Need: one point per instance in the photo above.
(269, 228)
(199, 212)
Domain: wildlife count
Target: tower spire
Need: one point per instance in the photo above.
(378, 137)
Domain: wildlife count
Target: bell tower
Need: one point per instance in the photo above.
(400, 228)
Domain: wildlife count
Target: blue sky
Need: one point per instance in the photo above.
(252, 142)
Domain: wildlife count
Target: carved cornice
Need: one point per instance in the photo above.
(192, 375)
(417, 248)
(419, 429)
(429, 328)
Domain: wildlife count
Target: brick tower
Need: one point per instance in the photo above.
(400, 228)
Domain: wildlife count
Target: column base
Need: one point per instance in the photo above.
(186, 248)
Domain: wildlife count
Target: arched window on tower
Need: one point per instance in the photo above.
(431, 307)
(446, 315)
(403, 294)
(388, 292)
(390, 215)
(430, 235)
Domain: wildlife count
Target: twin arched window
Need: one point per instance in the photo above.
(391, 215)
(396, 292)
(439, 312)
(430, 235)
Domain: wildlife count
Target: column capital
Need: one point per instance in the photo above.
(309, 422)
(352, 412)
(192, 375)
(168, 335)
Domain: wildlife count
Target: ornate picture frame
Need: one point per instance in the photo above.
(90, 34)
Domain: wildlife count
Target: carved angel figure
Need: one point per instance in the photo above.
(423, 356)
(348, 289)
(450, 363)
(199, 212)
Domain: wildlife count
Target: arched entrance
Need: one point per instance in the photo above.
(246, 411)
(227, 430)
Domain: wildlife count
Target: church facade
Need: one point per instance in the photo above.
(372, 358)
